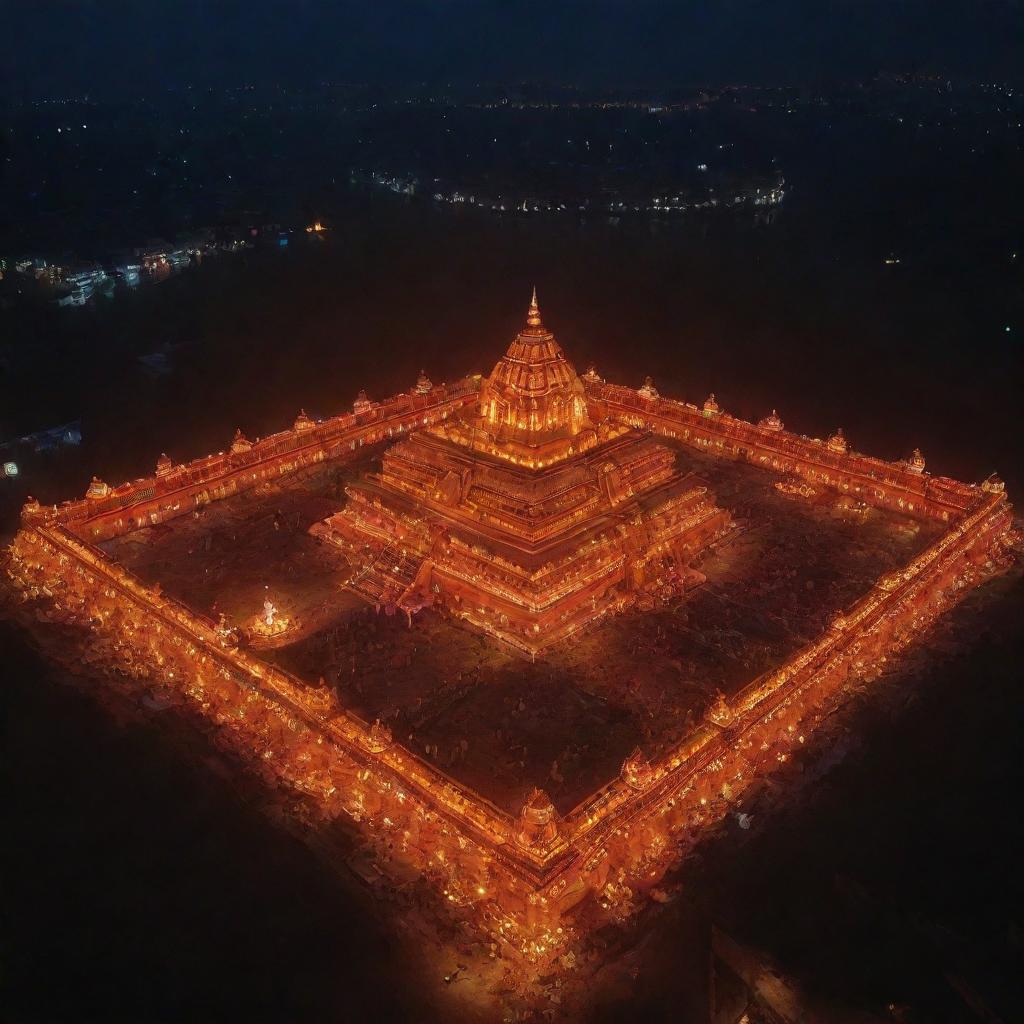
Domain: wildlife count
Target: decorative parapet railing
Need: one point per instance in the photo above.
(903, 485)
(990, 517)
(177, 489)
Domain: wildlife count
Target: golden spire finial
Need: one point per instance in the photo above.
(533, 317)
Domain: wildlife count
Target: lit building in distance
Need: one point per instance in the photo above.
(522, 515)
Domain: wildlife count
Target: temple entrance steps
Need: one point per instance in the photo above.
(387, 577)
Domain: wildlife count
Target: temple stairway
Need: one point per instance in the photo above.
(387, 577)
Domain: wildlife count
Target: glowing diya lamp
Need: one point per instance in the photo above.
(270, 622)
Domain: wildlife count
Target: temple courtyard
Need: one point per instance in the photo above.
(494, 720)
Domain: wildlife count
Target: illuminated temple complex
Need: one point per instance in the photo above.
(522, 515)
(529, 504)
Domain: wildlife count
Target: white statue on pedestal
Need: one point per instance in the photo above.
(269, 610)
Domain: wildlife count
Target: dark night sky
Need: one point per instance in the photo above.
(50, 47)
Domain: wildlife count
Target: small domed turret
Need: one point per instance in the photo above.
(993, 485)
(636, 770)
(164, 464)
(538, 823)
(30, 509)
(837, 443)
(592, 376)
(649, 391)
(303, 421)
(711, 405)
(719, 712)
(424, 385)
(362, 403)
(890, 580)
(240, 443)
(379, 737)
(916, 462)
(97, 489)
(771, 422)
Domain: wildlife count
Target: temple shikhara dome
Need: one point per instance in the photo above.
(525, 515)
(533, 403)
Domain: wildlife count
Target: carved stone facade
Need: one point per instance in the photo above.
(528, 520)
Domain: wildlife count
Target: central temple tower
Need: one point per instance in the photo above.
(523, 516)
(533, 398)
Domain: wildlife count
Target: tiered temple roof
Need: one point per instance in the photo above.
(524, 517)
(533, 408)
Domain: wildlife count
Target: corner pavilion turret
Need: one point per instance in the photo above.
(524, 516)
